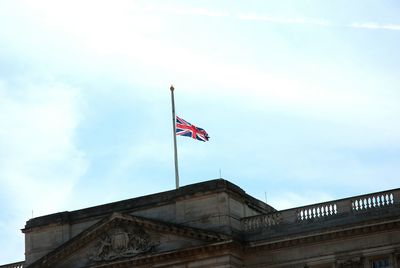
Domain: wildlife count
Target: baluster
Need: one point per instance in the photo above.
(369, 202)
(335, 209)
(387, 199)
(246, 225)
(391, 199)
(365, 204)
(373, 202)
(252, 224)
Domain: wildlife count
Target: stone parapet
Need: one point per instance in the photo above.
(215, 205)
(326, 214)
(151, 201)
(14, 265)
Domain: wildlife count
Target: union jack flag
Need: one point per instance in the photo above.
(184, 128)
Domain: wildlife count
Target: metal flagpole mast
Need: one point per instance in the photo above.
(175, 149)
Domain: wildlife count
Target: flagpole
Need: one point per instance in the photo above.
(175, 149)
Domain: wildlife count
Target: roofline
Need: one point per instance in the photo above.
(142, 202)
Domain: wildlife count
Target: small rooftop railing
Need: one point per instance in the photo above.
(14, 265)
(326, 210)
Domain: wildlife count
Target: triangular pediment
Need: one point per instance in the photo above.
(122, 237)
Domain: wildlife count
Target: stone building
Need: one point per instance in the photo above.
(216, 224)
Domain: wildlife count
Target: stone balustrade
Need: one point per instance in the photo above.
(317, 211)
(324, 211)
(14, 265)
(260, 221)
(372, 201)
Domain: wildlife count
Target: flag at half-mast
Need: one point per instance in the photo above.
(184, 128)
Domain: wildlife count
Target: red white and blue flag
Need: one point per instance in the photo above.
(184, 128)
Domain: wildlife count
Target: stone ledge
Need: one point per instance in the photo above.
(143, 202)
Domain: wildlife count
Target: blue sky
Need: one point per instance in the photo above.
(300, 98)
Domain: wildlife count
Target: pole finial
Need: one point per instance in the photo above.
(172, 88)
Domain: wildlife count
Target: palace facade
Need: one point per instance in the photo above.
(216, 224)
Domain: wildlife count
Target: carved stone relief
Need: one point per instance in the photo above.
(122, 242)
(354, 263)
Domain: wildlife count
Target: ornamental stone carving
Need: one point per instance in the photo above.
(351, 263)
(122, 242)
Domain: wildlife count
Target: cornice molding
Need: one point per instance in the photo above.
(230, 247)
(305, 239)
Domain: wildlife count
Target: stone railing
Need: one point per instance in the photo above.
(372, 201)
(14, 265)
(350, 206)
(256, 222)
(317, 211)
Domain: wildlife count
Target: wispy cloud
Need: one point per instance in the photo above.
(376, 26)
(283, 20)
(40, 161)
(319, 22)
(193, 11)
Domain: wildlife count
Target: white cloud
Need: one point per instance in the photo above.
(39, 159)
(196, 11)
(283, 20)
(376, 26)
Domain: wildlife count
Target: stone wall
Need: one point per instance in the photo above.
(216, 205)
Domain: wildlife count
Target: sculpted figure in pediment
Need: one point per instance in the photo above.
(122, 242)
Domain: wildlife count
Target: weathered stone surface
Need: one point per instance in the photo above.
(216, 224)
(205, 205)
